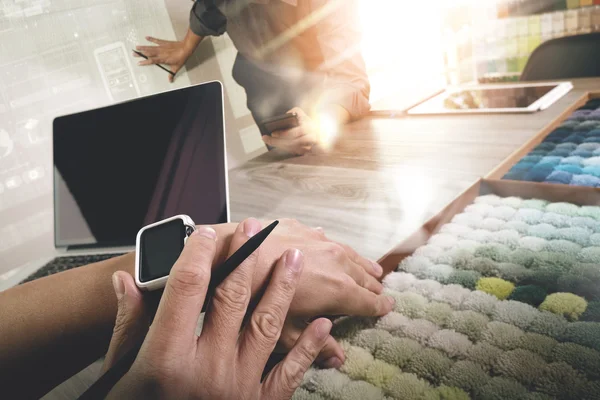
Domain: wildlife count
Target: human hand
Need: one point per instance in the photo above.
(299, 140)
(174, 54)
(335, 281)
(223, 362)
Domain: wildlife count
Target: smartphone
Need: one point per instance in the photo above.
(280, 122)
(117, 74)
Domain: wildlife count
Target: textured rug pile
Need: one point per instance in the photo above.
(568, 155)
(502, 303)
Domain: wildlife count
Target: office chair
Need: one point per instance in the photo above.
(565, 58)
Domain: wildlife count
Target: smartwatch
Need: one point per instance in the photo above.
(157, 248)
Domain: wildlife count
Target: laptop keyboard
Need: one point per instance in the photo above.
(60, 264)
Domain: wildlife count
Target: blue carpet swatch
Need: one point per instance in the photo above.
(569, 155)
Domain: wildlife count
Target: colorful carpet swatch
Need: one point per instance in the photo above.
(502, 303)
(569, 155)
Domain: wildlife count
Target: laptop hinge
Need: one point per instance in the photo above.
(97, 246)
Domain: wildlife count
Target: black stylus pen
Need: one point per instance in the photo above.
(105, 383)
(158, 65)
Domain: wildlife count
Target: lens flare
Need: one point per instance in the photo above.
(328, 130)
(402, 46)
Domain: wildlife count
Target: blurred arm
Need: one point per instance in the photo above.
(347, 88)
(53, 327)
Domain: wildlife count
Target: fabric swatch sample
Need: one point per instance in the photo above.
(573, 147)
(502, 303)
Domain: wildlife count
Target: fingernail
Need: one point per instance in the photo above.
(118, 285)
(293, 260)
(391, 300)
(333, 362)
(139, 63)
(205, 231)
(251, 227)
(377, 268)
(324, 328)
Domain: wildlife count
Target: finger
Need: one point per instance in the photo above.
(363, 279)
(358, 301)
(320, 233)
(331, 355)
(287, 375)
(299, 112)
(370, 267)
(133, 53)
(339, 254)
(174, 69)
(160, 60)
(148, 51)
(287, 144)
(289, 134)
(306, 141)
(133, 319)
(230, 300)
(181, 303)
(157, 41)
(148, 61)
(300, 151)
(271, 141)
(245, 230)
(306, 149)
(262, 332)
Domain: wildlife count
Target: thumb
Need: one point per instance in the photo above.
(132, 320)
(330, 356)
(174, 68)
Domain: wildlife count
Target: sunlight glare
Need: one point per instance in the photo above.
(415, 193)
(402, 43)
(328, 130)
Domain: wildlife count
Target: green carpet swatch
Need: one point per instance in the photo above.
(502, 303)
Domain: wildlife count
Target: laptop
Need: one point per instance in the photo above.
(121, 167)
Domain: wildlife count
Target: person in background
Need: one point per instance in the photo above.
(298, 56)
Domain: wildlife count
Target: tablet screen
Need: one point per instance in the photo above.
(478, 98)
(521, 97)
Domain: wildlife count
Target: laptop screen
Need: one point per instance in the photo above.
(121, 167)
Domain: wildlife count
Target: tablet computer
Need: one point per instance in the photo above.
(496, 98)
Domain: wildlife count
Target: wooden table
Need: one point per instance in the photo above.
(385, 177)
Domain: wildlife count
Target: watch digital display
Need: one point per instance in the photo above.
(160, 247)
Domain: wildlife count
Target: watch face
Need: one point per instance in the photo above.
(160, 247)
